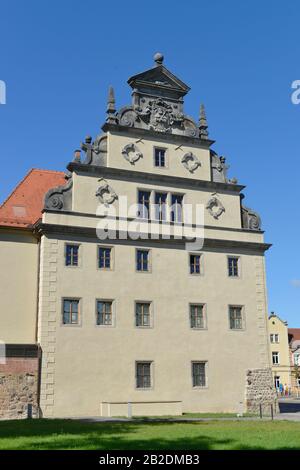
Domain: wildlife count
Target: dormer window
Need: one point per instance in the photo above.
(159, 157)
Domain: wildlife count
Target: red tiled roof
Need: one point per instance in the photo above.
(24, 205)
(295, 332)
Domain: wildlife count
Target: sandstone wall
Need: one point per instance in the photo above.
(18, 387)
(260, 390)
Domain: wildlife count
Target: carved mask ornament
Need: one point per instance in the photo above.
(105, 193)
(190, 162)
(131, 153)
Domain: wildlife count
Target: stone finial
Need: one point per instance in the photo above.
(111, 106)
(158, 58)
(203, 132)
(77, 156)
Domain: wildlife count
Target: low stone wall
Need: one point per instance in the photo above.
(260, 390)
(18, 387)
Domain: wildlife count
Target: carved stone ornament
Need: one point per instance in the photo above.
(60, 197)
(190, 162)
(131, 153)
(215, 207)
(105, 193)
(250, 219)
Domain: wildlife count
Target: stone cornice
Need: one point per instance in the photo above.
(130, 175)
(209, 243)
(146, 133)
(208, 227)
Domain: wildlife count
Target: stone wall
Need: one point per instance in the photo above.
(260, 390)
(18, 387)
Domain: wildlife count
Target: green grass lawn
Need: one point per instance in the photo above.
(69, 434)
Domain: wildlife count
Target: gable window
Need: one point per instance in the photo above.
(160, 206)
(235, 317)
(176, 209)
(159, 157)
(104, 257)
(274, 338)
(197, 318)
(275, 357)
(199, 374)
(233, 266)
(70, 311)
(142, 314)
(142, 260)
(104, 313)
(195, 264)
(144, 204)
(143, 375)
(72, 255)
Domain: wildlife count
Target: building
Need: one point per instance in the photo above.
(294, 350)
(279, 351)
(146, 316)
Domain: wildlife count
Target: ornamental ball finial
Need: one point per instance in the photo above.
(158, 58)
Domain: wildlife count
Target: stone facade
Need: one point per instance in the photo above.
(260, 390)
(18, 387)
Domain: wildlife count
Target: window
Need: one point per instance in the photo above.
(104, 313)
(142, 314)
(144, 204)
(194, 264)
(233, 266)
(142, 260)
(275, 357)
(176, 209)
(70, 312)
(199, 374)
(277, 381)
(274, 338)
(297, 359)
(197, 319)
(159, 157)
(143, 375)
(160, 206)
(104, 257)
(235, 318)
(72, 255)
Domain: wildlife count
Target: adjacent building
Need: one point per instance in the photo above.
(145, 273)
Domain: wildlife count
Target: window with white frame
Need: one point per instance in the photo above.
(144, 204)
(160, 200)
(275, 358)
(159, 157)
(274, 338)
(297, 359)
(177, 208)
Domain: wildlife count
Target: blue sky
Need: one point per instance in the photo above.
(239, 58)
